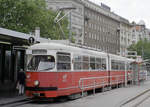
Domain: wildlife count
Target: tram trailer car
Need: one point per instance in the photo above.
(55, 70)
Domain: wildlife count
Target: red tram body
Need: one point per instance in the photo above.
(60, 70)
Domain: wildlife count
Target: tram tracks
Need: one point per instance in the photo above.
(136, 100)
(16, 103)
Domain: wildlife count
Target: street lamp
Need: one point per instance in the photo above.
(57, 19)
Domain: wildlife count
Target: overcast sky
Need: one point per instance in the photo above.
(133, 10)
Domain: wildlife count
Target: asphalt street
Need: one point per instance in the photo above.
(111, 98)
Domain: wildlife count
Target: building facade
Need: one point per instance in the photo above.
(94, 25)
(101, 28)
(140, 32)
(75, 17)
(125, 35)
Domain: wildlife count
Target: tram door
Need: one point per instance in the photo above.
(0, 65)
(7, 67)
(19, 62)
(64, 69)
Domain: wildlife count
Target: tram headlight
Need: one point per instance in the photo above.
(36, 83)
(28, 76)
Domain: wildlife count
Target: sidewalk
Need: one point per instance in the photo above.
(11, 98)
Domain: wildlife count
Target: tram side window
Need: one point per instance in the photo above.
(128, 66)
(114, 65)
(142, 67)
(98, 64)
(117, 65)
(122, 65)
(92, 63)
(77, 62)
(63, 61)
(85, 63)
(103, 63)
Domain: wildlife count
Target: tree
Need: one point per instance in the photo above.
(25, 15)
(142, 48)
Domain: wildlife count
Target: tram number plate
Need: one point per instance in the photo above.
(36, 94)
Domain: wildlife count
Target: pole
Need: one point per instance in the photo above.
(70, 29)
(126, 74)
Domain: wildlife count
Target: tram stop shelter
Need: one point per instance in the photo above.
(12, 58)
(139, 72)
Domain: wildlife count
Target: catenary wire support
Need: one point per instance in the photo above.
(58, 19)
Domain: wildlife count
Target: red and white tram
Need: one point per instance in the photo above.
(55, 70)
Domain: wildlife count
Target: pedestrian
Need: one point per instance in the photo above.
(21, 81)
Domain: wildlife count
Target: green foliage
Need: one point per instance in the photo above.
(142, 48)
(25, 15)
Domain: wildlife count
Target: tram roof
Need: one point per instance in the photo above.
(77, 50)
(117, 57)
(65, 48)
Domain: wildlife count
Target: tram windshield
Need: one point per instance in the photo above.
(41, 63)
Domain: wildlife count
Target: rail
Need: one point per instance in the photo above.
(136, 100)
(95, 82)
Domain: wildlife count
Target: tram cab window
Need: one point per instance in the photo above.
(63, 61)
(41, 63)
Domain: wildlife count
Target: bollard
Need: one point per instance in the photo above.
(82, 89)
(94, 87)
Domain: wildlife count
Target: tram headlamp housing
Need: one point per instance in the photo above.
(36, 83)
